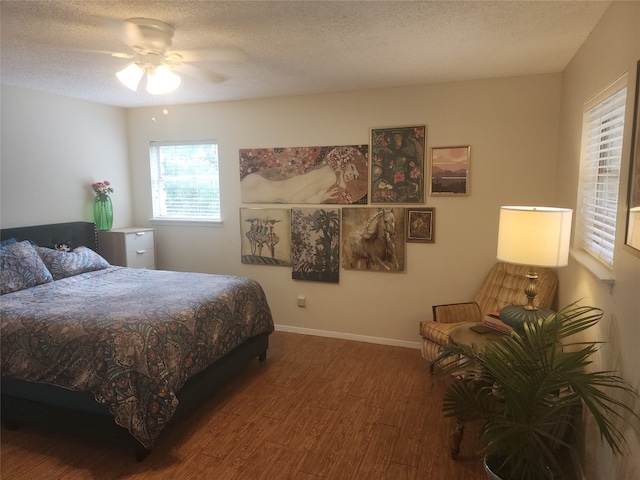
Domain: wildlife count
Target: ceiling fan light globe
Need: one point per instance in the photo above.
(131, 76)
(162, 80)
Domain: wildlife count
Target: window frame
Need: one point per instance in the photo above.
(154, 177)
(598, 193)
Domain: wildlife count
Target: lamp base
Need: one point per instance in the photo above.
(516, 315)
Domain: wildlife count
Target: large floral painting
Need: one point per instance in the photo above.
(397, 164)
(319, 175)
(265, 236)
(315, 244)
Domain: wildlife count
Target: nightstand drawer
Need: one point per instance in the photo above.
(128, 247)
(141, 258)
(135, 241)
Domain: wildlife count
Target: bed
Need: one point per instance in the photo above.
(115, 352)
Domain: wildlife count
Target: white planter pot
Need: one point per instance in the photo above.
(489, 472)
(491, 475)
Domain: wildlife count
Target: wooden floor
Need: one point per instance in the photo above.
(318, 408)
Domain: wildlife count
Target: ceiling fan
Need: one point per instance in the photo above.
(150, 41)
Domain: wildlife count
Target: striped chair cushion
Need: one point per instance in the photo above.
(436, 332)
(430, 352)
(505, 286)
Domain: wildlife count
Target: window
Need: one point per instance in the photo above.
(185, 182)
(602, 131)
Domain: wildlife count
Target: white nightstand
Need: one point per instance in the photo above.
(128, 247)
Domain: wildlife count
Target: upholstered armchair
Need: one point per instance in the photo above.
(503, 286)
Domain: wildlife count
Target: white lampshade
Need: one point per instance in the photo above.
(534, 236)
(131, 76)
(162, 80)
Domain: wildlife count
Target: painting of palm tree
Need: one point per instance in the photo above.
(315, 244)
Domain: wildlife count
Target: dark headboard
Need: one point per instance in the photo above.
(73, 234)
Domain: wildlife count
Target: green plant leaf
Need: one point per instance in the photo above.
(527, 389)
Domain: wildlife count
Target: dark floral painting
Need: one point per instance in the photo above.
(315, 244)
(397, 164)
(333, 175)
(373, 239)
(265, 236)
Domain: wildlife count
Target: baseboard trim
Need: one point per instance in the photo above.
(349, 336)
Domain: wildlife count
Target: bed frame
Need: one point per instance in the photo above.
(72, 234)
(78, 413)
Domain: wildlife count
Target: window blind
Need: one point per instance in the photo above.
(603, 127)
(185, 180)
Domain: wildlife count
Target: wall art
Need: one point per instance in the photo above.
(317, 175)
(398, 164)
(632, 238)
(373, 238)
(315, 244)
(421, 225)
(265, 236)
(450, 170)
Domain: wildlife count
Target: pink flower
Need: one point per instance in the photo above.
(398, 177)
(102, 189)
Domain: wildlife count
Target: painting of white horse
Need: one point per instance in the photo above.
(373, 239)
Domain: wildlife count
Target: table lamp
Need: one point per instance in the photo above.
(536, 237)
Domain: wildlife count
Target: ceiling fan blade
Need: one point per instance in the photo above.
(111, 53)
(122, 55)
(131, 34)
(201, 74)
(146, 35)
(126, 32)
(212, 55)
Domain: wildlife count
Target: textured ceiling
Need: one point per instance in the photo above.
(293, 47)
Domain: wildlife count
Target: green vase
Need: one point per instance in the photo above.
(103, 212)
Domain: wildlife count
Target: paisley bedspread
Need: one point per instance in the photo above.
(132, 337)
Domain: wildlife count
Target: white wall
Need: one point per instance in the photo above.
(612, 49)
(53, 149)
(511, 125)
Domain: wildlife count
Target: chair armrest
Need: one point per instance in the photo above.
(457, 312)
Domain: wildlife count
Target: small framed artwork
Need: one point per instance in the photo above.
(421, 225)
(450, 170)
(265, 236)
(398, 165)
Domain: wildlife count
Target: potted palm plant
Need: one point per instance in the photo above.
(525, 390)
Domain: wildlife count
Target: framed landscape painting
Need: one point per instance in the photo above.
(450, 170)
(398, 164)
